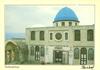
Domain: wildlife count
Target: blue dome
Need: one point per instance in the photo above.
(65, 14)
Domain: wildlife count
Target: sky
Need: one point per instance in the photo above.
(19, 17)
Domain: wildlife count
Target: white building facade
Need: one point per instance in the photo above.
(66, 42)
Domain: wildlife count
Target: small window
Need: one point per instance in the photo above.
(41, 35)
(70, 23)
(51, 35)
(90, 35)
(32, 35)
(77, 35)
(63, 23)
(66, 36)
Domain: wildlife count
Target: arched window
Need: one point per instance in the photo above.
(51, 36)
(66, 36)
(42, 51)
(77, 35)
(76, 53)
(32, 35)
(32, 50)
(90, 54)
(90, 35)
(41, 35)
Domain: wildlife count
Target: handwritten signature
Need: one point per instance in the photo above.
(87, 66)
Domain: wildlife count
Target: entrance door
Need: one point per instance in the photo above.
(83, 56)
(57, 55)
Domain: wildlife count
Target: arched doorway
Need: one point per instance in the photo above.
(11, 52)
(83, 56)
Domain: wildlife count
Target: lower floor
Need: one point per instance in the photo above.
(51, 54)
(61, 54)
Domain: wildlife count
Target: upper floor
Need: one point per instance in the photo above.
(60, 35)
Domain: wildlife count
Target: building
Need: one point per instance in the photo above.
(67, 42)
